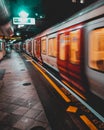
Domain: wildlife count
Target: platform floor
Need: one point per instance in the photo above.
(20, 106)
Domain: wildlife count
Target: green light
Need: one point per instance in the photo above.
(23, 14)
(36, 14)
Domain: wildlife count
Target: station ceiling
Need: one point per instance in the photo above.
(46, 13)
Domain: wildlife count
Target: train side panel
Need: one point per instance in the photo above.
(29, 47)
(49, 50)
(62, 53)
(37, 49)
(2, 49)
(52, 51)
(71, 56)
(32, 47)
(94, 62)
(24, 46)
(44, 49)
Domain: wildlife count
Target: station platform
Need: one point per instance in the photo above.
(20, 105)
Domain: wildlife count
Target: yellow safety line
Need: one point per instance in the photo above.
(27, 56)
(88, 122)
(72, 109)
(74, 90)
(52, 83)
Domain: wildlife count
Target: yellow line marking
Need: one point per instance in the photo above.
(72, 109)
(88, 122)
(27, 56)
(52, 83)
(74, 90)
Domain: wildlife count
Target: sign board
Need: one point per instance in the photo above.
(25, 21)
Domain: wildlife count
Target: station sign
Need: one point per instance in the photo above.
(23, 21)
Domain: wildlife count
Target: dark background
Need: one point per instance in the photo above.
(52, 12)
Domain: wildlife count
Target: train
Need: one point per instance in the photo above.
(5, 49)
(2, 49)
(75, 49)
(6, 31)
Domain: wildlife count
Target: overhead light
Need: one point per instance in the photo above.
(74, 1)
(17, 33)
(81, 1)
(23, 14)
(36, 14)
(42, 16)
(20, 26)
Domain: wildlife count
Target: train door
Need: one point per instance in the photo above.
(38, 49)
(29, 47)
(95, 56)
(24, 46)
(34, 48)
(71, 57)
(44, 49)
(75, 62)
(52, 51)
(62, 54)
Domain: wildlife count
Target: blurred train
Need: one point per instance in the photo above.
(75, 49)
(2, 49)
(5, 49)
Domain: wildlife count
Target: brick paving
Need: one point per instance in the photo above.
(20, 106)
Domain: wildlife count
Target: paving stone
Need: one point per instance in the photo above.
(32, 113)
(38, 106)
(42, 117)
(2, 115)
(10, 108)
(24, 123)
(1, 83)
(20, 111)
(10, 120)
(3, 105)
(20, 106)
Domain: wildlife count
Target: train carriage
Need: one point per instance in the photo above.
(37, 49)
(2, 49)
(94, 44)
(49, 50)
(71, 56)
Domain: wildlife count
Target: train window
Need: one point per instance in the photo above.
(29, 46)
(34, 46)
(96, 49)
(62, 47)
(43, 45)
(74, 52)
(52, 47)
(38, 48)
